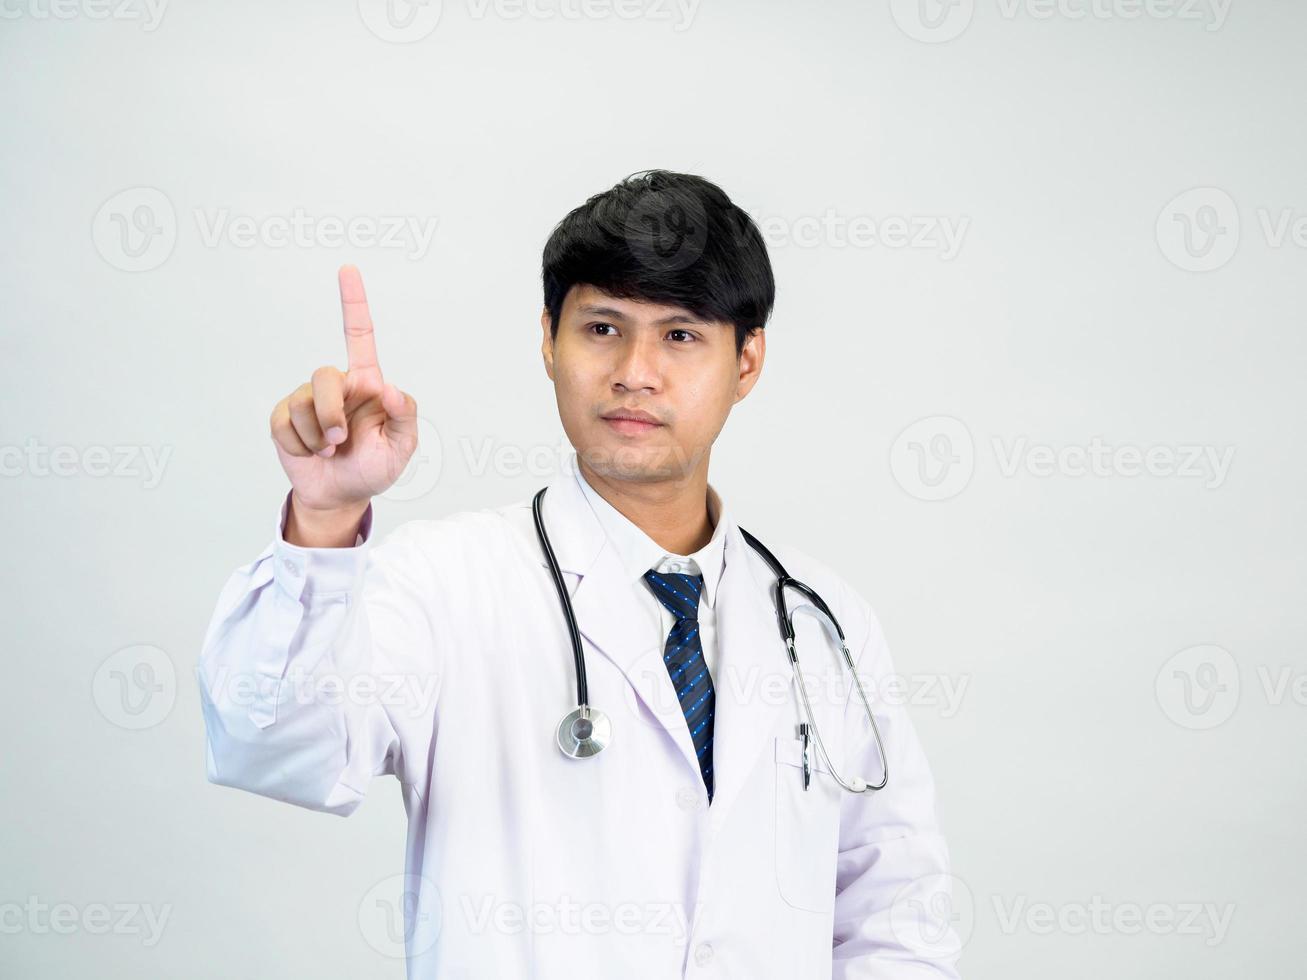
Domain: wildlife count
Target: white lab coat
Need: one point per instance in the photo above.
(526, 863)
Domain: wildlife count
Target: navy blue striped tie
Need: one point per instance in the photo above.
(683, 655)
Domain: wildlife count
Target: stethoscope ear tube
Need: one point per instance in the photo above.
(810, 728)
(784, 581)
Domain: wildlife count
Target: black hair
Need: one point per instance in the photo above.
(664, 237)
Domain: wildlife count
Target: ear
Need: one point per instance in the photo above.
(547, 343)
(751, 358)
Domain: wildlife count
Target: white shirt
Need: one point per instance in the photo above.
(638, 553)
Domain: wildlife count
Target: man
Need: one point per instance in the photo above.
(706, 838)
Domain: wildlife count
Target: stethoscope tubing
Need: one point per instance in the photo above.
(578, 654)
(786, 625)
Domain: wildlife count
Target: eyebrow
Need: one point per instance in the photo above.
(608, 311)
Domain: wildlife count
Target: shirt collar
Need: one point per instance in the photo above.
(638, 552)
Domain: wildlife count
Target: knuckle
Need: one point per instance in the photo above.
(306, 427)
(366, 385)
(331, 417)
(288, 443)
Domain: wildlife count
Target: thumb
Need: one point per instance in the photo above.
(401, 413)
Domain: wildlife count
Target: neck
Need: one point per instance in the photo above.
(673, 513)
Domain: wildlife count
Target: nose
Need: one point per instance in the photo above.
(637, 362)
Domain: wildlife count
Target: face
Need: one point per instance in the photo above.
(620, 357)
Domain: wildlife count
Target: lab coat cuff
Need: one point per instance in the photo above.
(299, 570)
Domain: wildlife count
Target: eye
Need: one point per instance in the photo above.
(593, 326)
(688, 335)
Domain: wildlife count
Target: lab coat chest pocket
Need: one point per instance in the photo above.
(807, 828)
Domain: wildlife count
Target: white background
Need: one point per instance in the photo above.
(1095, 760)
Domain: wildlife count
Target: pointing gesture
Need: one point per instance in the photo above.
(343, 437)
(360, 341)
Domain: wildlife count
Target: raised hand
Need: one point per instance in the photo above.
(344, 437)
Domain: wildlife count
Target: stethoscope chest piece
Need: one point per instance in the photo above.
(583, 732)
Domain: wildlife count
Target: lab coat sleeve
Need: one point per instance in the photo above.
(320, 669)
(893, 903)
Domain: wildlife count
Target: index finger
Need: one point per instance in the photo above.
(360, 343)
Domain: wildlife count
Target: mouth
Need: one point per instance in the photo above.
(631, 423)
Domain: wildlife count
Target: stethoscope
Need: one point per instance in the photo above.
(585, 730)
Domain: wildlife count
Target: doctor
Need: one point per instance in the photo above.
(708, 838)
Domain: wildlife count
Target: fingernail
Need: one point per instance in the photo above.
(335, 434)
(328, 451)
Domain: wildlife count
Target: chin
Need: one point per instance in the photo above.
(618, 461)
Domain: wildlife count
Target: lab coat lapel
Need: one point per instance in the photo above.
(751, 655)
(609, 613)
